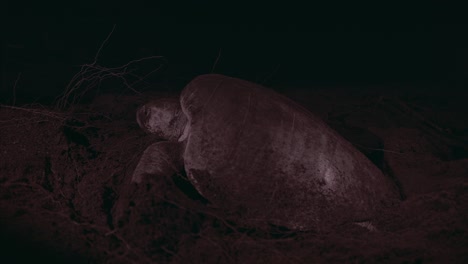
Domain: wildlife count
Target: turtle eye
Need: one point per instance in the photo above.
(147, 112)
(143, 115)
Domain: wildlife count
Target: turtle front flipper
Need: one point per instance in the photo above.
(159, 159)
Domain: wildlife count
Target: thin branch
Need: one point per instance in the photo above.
(14, 88)
(103, 43)
(216, 61)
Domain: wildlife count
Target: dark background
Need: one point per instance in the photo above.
(44, 44)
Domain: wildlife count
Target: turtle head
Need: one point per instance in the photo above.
(162, 117)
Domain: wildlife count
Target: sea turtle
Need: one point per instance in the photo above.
(261, 157)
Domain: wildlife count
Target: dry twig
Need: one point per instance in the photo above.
(92, 75)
